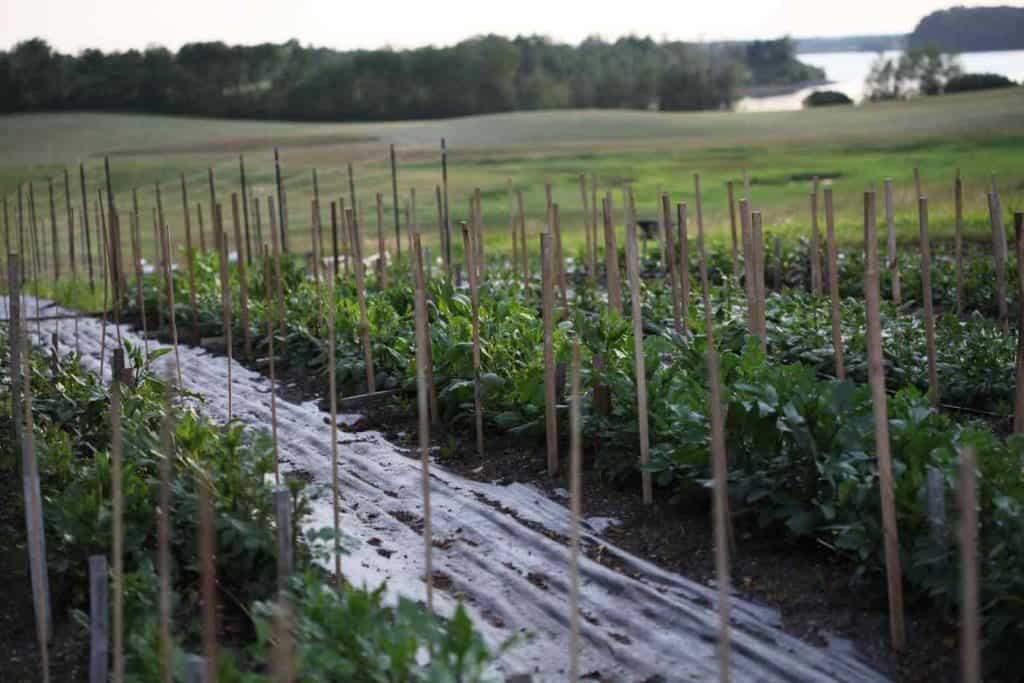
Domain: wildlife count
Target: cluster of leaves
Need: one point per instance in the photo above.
(72, 424)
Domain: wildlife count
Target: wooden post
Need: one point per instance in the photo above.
(995, 213)
(282, 222)
(475, 305)
(917, 183)
(243, 280)
(158, 267)
(117, 511)
(611, 258)
(190, 259)
(71, 226)
(633, 267)
(164, 543)
(833, 286)
(1018, 412)
(719, 465)
(99, 649)
(170, 302)
(271, 323)
(522, 240)
(970, 620)
(245, 212)
(547, 306)
(958, 241)
(815, 241)
(332, 388)
(364, 322)
(202, 228)
(876, 375)
(382, 263)
(891, 254)
(394, 201)
(926, 296)
(207, 568)
(423, 410)
(575, 504)
(666, 221)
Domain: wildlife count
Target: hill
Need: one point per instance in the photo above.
(971, 29)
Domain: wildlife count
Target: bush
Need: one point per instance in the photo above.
(826, 98)
(969, 82)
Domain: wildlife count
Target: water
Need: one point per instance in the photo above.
(848, 70)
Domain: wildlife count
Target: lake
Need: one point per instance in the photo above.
(848, 70)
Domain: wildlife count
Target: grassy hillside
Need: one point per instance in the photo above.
(981, 133)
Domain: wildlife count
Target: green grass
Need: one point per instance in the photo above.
(979, 133)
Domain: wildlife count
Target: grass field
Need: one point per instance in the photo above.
(981, 134)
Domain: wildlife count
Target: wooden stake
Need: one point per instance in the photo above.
(995, 213)
(633, 267)
(586, 226)
(225, 297)
(140, 298)
(440, 226)
(719, 465)
(190, 259)
(593, 224)
(282, 220)
(926, 296)
(876, 375)
(207, 567)
(270, 358)
(245, 212)
(164, 543)
(522, 240)
(53, 233)
(332, 388)
(71, 226)
(382, 259)
(475, 305)
(890, 233)
(277, 263)
(833, 286)
(547, 306)
(15, 332)
(283, 522)
(316, 258)
(684, 263)
(815, 241)
(666, 221)
(611, 258)
(748, 265)
(446, 242)
(757, 247)
(117, 511)
(169, 276)
(202, 228)
(99, 649)
(256, 215)
(917, 183)
(364, 322)
(158, 267)
(243, 280)
(958, 241)
(394, 201)
(970, 620)
(422, 401)
(575, 503)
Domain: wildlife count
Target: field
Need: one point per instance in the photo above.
(981, 134)
(754, 384)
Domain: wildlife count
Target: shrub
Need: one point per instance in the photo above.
(826, 98)
(969, 82)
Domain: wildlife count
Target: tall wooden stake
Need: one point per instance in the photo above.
(332, 388)
(71, 226)
(833, 286)
(117, 511)
(586, 226)
(958, 241)
(732, 229)
(995, 213)
(926, 296)
(243, 280)
(364, 322)
(245, 212)
(169, 276)
(575, 504)
(522, 241)
(666, 221)
(633, 267)
(423, 409)
(190, 259)
(53, 233)
(225, 297)
(278, 281)
(475, 305)
(547, 286)
(684, 263)
(876, 376)
(611, 258)
(394, 200)
(282, 222)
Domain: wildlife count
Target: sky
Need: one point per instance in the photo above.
(71, 25)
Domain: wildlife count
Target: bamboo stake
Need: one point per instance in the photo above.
(890, 233)
(190, 259)
(202, 228)
(282, 223)
(757, 247)
(382, 262)
(271, 313)
(257, 218)
(478, 224)
(99, 649)
(815, 241)
(423, 409)
(970, 620)
(245, 212)
(926, 296)
(475, 305)
(446, 241)
(995, 214)
(547, 306)
(522, 239)
(364, 322)
(833, 286)
(103, 277)
(876, 374)
(243, 280)
(318, 233)
(748, 264)
(575, 503)
(117, 271)
(958, 241)
(611, 258)
(666, 221)
(277, 262)
(332, 387)
(1018, 413)
(720, 498)
(71, 226)
(168, 274)
(633, 267)
(117, 511)
(163, 543)
(684, 263)
(334, 239)
(440, 225)
(394, 200)
(207, 567)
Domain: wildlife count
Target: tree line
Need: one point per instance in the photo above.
(480, 75)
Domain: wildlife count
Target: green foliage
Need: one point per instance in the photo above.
(985, 81)
(826, 98)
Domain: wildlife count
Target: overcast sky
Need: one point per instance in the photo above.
(71, 25)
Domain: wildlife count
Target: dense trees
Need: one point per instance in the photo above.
(480, 75)
(969, 29)
(923, 70)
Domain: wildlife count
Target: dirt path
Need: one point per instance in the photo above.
(498, 550)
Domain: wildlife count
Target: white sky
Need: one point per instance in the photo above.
(71, 25)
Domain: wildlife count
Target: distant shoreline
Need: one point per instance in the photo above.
(757, 91)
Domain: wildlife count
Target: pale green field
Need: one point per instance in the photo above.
(982, 134)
